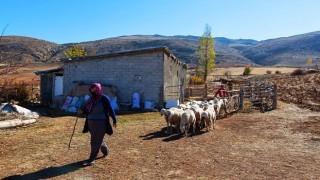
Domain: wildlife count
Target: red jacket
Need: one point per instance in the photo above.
(222, 92)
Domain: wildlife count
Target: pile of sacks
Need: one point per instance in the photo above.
(72, 104)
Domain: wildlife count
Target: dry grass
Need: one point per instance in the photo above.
(255, 70)
(26, 72)
(280, 144)
(272, 145)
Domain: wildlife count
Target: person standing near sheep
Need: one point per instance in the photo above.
(97, 111)
(223, 93)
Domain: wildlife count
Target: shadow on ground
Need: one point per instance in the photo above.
(162, 134)
(168, 137)
(50, 172)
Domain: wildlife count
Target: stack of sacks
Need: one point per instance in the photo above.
(72, 104)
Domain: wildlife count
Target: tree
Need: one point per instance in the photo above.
(206, 54)
(247, 71)
(309, 62)
(76, 51)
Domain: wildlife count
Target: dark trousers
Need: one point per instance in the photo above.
(97, 131)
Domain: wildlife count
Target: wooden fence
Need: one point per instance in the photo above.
(261, 94)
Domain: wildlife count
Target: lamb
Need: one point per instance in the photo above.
(208, 118)
(173, 118)
(217, 104)
(197, 111)
(187, 118)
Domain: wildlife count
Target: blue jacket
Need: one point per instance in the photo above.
(109, 112)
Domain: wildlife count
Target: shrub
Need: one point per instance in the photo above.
(247, 71)
(12, 91)
(269, 72)
(298, 72)
(278, 72)
(197, 80)
(22, 92)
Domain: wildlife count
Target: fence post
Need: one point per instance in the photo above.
(206, 90)
(275, 97)
(241, 97)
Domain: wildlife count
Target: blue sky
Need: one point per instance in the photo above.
(68, 21)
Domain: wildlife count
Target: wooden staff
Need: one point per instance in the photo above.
(73, 131)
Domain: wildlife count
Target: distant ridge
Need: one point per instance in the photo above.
(285, 51)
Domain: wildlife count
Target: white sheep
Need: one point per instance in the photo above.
(188, 119)
(197, 111)
(217, 104)
(208, 118)
(173, 118)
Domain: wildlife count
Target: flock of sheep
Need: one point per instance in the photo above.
(201, 114)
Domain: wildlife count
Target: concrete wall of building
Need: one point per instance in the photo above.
(142, 73)
(174, 75)
(156, 76)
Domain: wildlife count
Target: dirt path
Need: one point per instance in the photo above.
(280, 144)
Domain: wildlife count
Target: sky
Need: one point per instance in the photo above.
(72, 21)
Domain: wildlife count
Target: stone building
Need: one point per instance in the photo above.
(154, 73)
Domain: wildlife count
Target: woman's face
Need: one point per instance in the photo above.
(91, 90)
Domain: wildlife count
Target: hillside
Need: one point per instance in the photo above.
(25, 50)
(288, 51)
(294, 50)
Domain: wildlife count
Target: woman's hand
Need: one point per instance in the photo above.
(114, 125)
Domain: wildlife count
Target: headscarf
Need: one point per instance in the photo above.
(96, 91)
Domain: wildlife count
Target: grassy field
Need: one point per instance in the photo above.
(255, 70)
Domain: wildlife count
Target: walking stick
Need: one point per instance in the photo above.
(73, 131)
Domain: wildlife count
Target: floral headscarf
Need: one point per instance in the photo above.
(96, 91)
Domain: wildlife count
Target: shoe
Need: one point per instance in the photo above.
(88, 163)
(104, 155)
(105, 152)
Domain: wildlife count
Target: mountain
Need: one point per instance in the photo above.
(25, 49)
(293, 51)
(286, 51)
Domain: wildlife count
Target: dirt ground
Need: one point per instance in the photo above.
(279, 144)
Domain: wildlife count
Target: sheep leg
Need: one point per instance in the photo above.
(187, 129)
(194, 128)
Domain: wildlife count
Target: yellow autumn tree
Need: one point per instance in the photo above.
(309, 62)
(206, 54)
(75, 50)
